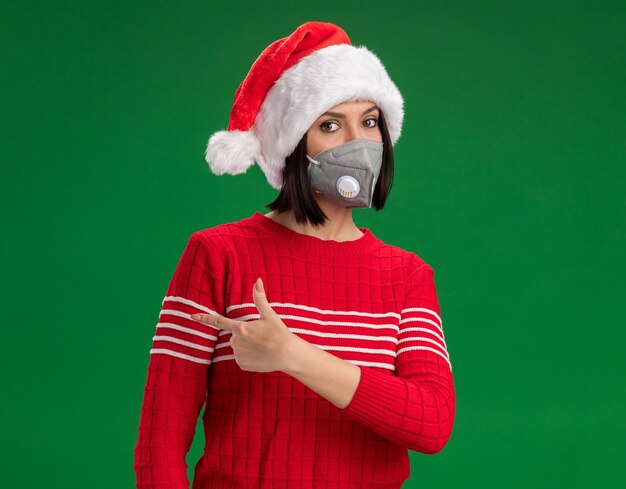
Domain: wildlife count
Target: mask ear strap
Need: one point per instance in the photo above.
(312, 160)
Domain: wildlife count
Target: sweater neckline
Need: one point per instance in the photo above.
(305, 242)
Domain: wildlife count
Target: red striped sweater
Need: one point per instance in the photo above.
(364, 301)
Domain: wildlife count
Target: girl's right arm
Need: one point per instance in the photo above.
(181, 354)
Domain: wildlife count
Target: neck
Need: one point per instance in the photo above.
(339, 226)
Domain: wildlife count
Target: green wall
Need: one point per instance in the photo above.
(509, 182)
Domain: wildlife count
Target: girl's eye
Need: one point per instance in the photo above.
(374, 120)
(324, 125)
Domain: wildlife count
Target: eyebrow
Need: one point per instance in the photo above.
(339, 114)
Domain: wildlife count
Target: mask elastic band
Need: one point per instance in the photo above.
(312, 160)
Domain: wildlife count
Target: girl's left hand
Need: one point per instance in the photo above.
(261, 345)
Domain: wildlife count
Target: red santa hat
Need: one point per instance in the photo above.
(295, 80)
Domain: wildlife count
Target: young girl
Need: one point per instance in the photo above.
(316, 348)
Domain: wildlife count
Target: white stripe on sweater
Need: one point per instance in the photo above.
(316, 309)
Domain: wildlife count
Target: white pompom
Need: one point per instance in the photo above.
(232, 152)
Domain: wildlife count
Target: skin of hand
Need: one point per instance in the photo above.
(261, 345)
(267, 345)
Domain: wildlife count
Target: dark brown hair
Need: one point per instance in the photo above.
(296, 192)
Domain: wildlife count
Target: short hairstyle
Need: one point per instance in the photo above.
(296, 192)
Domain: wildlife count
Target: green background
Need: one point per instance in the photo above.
(509, 181)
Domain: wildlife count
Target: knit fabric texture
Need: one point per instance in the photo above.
(367, 302)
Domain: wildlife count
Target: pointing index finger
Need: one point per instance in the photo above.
(220, 322)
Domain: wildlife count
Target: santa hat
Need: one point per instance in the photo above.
(295, 80)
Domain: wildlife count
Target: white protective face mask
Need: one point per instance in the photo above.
(347, 174)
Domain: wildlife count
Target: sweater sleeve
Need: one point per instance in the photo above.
(414, 408)
(181, 353)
